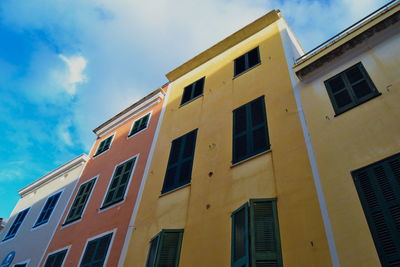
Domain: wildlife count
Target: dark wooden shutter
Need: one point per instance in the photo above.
(169, 249)
(56, 259)
(378, 187)
(96, 251)
(180, 162)
(240, 237)
(47, 209)
(16, 224)
(151, 257)
(265, 244)
(193, 90)
(80, 201)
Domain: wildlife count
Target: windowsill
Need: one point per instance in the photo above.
(71, 221)
(97, 155)
(111, 204)
(176, 189)
(134, 134)
(360, 103)
(250, 158)
(243, 72)
(191, 100)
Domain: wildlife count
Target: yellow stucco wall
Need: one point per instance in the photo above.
(284, 172)
(363, 135)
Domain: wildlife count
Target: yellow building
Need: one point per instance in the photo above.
(230, 182)
(350, 93)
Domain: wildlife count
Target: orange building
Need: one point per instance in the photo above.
(97, 222)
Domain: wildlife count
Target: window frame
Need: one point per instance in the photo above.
(160, 236)
(10, 237)
(248, 132)
(246, 59)
(26, 262)
(112, 136)
(67, 248)
(112, 232)
(349, 89)
(178, 164)
(37, 225)
(130, 135)
(112, 204)
(192, 88)
(69, 222)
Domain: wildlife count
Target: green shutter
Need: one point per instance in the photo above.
(265, 242)
(104, 145)
(193, 90)
(378, 187)
(119, 183)
(240, 237)
(96, 251)
(80, 201)
(139, 124)
(169, 248)
(56, 259)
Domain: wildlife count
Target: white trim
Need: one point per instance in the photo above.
(62, 214)
(109, 147)
(19, 228)
(113, 231)
(86, 204)
(56, 251)
(286, 40)
(133, 123)
(132, 113)
(76, 162)
(33, 228)
(27, 261)
(136, 157)
(131, 225)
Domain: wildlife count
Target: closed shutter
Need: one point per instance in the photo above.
(47, 209)
(240, 237)
(96, 251)
(265, 245)
(378, 187)
(169, 249)
(80, 201)
(56, 259)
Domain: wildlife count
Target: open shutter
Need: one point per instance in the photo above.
(265, 245)
(378, 187)
(240, 237)
(170, 248)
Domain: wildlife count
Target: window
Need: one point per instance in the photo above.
(139, 125)
(119, 183)
(96, 251)
(47, 209)
(20, 265)
(250, 132)
(378, 187)
(247, 61)
(16, 224)
(192, 91)
(180, 162)
(350, 88)
(255, 235)
(104, 145)
(165, 249)
(75, 213)
(56, 259)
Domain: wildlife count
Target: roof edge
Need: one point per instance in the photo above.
(225, 44)
(82, 159)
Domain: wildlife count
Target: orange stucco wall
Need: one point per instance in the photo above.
(95, 222)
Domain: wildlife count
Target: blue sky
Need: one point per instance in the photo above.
(66, 66)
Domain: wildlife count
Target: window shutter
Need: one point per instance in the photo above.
(151, 257)
(96, 251)
(80, 201)
(16, 224)
(240, 237)
(265, 245)
(169, 250)
(47, 209)
(378, 187)
(56, 259)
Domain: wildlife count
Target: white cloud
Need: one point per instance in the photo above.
(76, 67)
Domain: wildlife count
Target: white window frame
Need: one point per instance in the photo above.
(133, 123)
(113, 231)
(112, 140)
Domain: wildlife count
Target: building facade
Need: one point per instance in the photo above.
(350, 94)
(34, 219)
(230, 182)
(93, 230)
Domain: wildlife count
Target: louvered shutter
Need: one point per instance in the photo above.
(265, 245)
(240, 237)
(169, 248)
(56, 259)
(151, 257)
(96, 251)
(80, 201)
(378, 187)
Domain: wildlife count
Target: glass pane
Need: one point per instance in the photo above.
(254, 58)
(175, 149)
(198, 89)
(239, 65)
(362, 89)
(240, 120)
(187, 92)
(342, 99)
(336, 84)
(89, 252)
(354, 74)
(189, 144)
